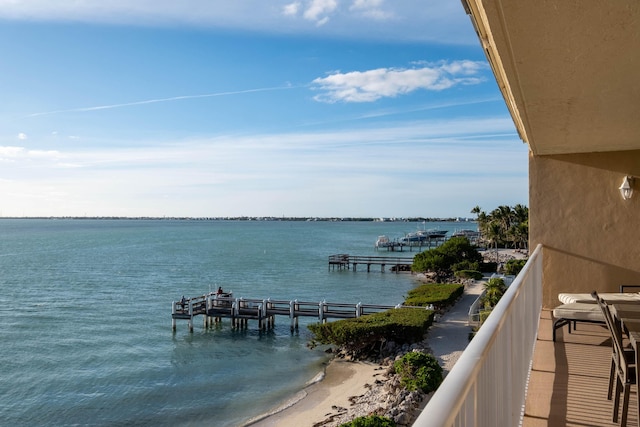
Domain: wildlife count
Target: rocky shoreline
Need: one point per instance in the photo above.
(385, 396)
(446, 339)
(379, 391)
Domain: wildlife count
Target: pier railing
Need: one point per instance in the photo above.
(487, 386)
(217, 306)
(347, 261)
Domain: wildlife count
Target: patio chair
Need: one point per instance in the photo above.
(625, 295)
(582, 307)
(622, 363)
(571, 314)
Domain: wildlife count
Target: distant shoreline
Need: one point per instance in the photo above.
(248, 218)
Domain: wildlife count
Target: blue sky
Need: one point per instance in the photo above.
(364, 108)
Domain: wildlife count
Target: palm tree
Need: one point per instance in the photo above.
(504, 225)
(493, 291)
(520, 235)
(483, 221)
(521, 213)
(493, 236)
(503, 217)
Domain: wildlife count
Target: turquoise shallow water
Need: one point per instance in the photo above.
(86, 340)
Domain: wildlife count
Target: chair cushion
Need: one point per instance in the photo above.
(567, 298)
(579, 311)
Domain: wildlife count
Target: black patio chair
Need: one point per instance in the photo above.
(623, 368)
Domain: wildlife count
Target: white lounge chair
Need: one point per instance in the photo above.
(584, 308)
(568, 314)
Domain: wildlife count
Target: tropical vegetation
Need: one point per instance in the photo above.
(363, 336)
(513, 266)
(454, 255)
(370, 421)
(419, 371)
(438, 295)
(504, 226)
(494, 288)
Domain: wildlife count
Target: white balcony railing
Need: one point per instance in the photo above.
(487, 386)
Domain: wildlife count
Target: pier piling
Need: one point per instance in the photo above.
(240, 310)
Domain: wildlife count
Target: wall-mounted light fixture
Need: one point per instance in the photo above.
(626, 189)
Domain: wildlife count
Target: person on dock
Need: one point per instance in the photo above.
(220, 291)
(183, 302)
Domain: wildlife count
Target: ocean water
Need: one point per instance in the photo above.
(86, 338)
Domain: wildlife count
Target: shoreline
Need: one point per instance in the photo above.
(338, 395)
(326, 398)
(290, 402)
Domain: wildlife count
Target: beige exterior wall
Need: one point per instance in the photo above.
(591, 235)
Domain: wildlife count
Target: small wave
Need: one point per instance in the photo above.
(289, 402)
(285, 405)
(317, 378)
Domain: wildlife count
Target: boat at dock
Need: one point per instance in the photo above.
(383, 242)
(435, 234)
(424, 236)
(472, 235)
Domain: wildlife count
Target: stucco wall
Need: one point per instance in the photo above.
(591, 235)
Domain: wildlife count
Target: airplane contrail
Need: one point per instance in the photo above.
(153, 101)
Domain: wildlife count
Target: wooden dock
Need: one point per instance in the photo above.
(214, 307)
(398, 246)
(345, 261)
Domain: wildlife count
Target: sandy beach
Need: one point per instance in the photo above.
(343, 379)
(321, 402)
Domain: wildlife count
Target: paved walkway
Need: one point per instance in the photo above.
(449, 336)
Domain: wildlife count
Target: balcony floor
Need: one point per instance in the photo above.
(569, 379)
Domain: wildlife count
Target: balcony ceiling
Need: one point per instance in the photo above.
(569, 70)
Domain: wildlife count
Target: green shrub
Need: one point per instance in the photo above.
(370, 421)
(484, 314)
(465, 265)
(455, 253)
(513, 266)
(489, 267)
(419, 371)
(363, 335)
(438, 294)
(493, 291)
(469, 274)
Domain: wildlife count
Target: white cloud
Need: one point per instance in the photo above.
(366, 4)
(369, 86)
(44, 154)
(435, 20)
(22, 136)
(12, 153)
(291, 9)
(319, 10)
(270, 174)
(371, 9)
(9, 152)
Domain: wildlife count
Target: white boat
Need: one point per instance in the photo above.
(383, 242)
(424, 235)
(469, 234)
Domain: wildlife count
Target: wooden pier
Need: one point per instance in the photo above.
(214, 307)
(398, 246)
(345, 261)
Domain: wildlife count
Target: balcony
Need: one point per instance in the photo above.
(569, 379)
(512, 373)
